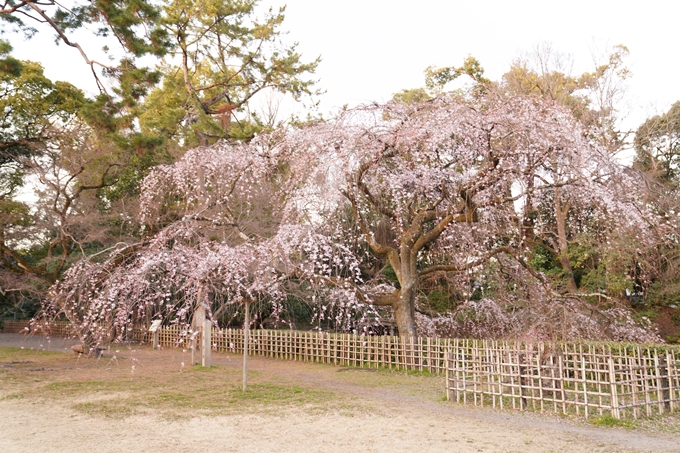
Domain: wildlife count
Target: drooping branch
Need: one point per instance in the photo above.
(469, 265)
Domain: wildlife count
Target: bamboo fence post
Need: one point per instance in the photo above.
(464, 371)
(632, 388)
(594, 366)
(522, 371)
(612, 389)
(440, 356)
(447, 360)
(645, 382)
(539, 364)
(292, 350)
(477, 377)
(329, 349)
(289, 345)
(382, 350)
(584, 382)
(659, 385)
(361, 351)
(494, 377)
(311, 347)
(669, 377)
(271, 343)
(511, 372)
(398, 352)
(277, 341)
(356, 349)
(633, 383)
(333, 342)
(553, 382)
(491, 369)
(501, 375)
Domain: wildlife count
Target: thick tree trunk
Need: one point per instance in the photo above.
(404, 312)
(404, 305)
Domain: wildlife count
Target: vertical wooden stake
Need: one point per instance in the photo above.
(206, 346)
(448, 384)
(612, 389)
(199, 320)
(246, 334)
(669, 362)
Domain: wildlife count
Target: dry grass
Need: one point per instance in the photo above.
(141, 381)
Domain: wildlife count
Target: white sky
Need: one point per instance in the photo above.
(374, 48)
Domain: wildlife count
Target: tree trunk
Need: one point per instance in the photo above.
(404, 306)
(404, 313)
(404, 316)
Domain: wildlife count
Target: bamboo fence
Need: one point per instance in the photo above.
(619, 379)
(424, 354)
(589, 379)
(57, 329)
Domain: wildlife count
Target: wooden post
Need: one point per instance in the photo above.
(613, 390)
(522, 373)
(448, 384)
(155, 328)
(584, 383)
(246, 334)
(671, 392)
(199, 320)
(645, 380)
(206, 344)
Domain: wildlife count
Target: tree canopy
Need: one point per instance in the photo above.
(434, 188)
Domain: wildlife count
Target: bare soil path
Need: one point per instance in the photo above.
(141, 400)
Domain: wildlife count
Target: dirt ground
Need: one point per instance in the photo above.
(136, 399)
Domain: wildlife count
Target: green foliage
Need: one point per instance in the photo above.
(664, 292)
(657, 147)
(227, 57)
(29, 104)
(440, 300)
(543, 260)
(411, 96)
(437, 78)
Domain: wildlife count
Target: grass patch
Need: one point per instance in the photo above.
(13, 396)
(114, 408)
(277, 394)
(8, 354)
(608, 421)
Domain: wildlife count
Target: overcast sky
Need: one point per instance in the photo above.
(371, 49)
